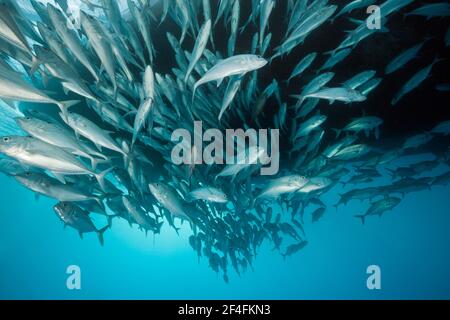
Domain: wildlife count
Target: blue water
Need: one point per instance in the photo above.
(410, 244)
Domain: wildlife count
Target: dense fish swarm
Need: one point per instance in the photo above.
(106, 146)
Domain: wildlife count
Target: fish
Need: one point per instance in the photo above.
(294, 248)
(100, 45)
(139, 216)
(50, 187)
(414, 82)
(442, 128)
(230, 93)
(169, 199)
(304, 28)
(283, 185)
(315, 85)
(55, 134)
(359, 79)
(403, 58)
(236, 65)
(310, 125)
(235, 12)
(335, 58)
(39, 154)
(199, 47)
(440, 9)
(9, 30)
(17, 89)
(70, 39)
(369, 86)
(302, 65)
(70, 79)
(91, 131)
(317, 214)
(353, 151)
(265, 11)
(417, 140)
(142, 21)
(443, 87)
(251, 156)
(365, 124)
(77, 218)
(145, 109)
(379, 207)
(209, 194)
(342, 94)
(353, 5)
(315, 184)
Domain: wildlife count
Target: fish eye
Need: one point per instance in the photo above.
(5, 139)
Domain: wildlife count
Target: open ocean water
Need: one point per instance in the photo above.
(410, 244)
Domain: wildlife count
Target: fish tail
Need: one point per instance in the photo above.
(189, 197)
(362, 217)
(115, 90)
(95, 162)
(193, 93)
(338, 132)
(391, 172)
(110, 220)
(35, 63)
(100, 234)
(101, 177)
(133, 140)
(65, 105)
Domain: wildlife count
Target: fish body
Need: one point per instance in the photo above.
(236, 65)
(70, 39)
(283, 185)
(379, 207)
(209, 194)
(77, 218)
(414, 82)
(342, 94)
(169, 199)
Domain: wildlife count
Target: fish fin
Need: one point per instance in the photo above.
(81, 234)
(219, 82)
(355, 21)
(59, 177)
(36, 196)
(100, 234)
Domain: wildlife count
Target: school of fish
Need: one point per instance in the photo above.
(105, 148)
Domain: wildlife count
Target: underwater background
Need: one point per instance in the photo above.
(410, 244)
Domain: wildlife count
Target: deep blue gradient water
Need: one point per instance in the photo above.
(410, 244)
